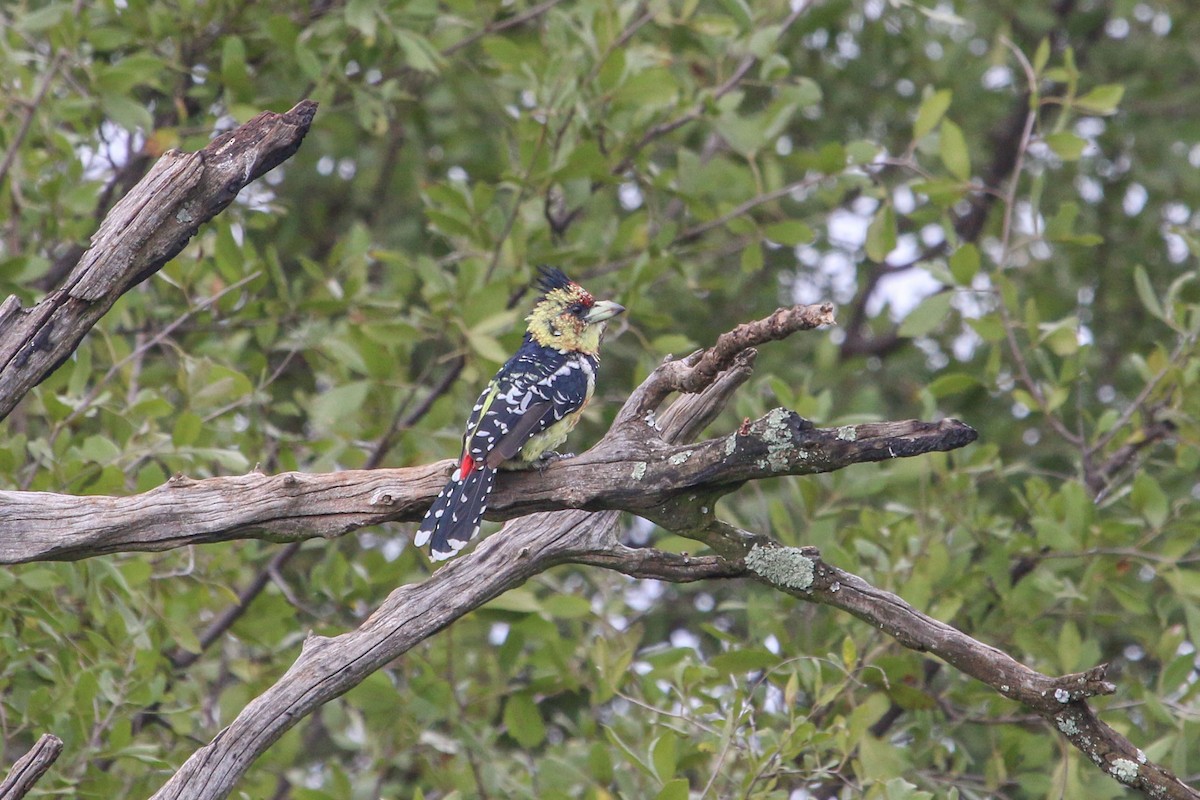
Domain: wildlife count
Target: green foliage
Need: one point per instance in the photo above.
(702, 162)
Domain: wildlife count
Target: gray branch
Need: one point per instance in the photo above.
(31, 767)
(145, 230)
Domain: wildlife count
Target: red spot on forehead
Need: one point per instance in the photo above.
(585, 297)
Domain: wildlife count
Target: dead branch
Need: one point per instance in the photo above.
(145, 230)
(31, 767)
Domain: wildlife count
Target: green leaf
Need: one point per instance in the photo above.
(964, 264)
(99, 449)
(234, 74)
(676, 789)
(1070, 647)
(524, 721)
(360, 15)
(127, 112)
(418, 52)
(741, 660)
(740, 11)
(520, 600)
(1101, 100)
(1146, 293)
(881, 234)
(790, 233)
(1066, 145)
(1041, 56)
(931, 111)
(1150, 500)
(932, 311)
(338, 403)
(953, 151)
(664, 755)
(187, 429)
(849, 654)
(952, 384)
(41, 19)
(752, 257)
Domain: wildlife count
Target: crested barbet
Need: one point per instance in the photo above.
(527, 409)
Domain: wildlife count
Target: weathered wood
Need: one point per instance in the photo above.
(618, 474)
(145, 230)
(30, 767)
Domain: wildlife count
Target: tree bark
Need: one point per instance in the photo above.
(31, 767)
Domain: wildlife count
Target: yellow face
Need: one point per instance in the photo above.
(568, 318)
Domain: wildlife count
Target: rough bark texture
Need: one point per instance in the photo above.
(145, 230)
(620, 473)
(30, 767)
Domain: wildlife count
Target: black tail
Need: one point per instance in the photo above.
(455, 516)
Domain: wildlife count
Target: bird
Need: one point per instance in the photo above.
(526, 411)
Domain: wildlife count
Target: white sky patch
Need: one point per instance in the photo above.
(1090, 190)
(681, 637)
(847, 229)
(630, 196)
(997, 77)
(932, 235)
(902, 291)
(1177, 247)
(1176, 213)
(498, 633)
(643, 595)
(1135, 199)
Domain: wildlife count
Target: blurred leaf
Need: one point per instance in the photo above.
(664, 755)
(931, 111)
(674, 790)
(1101, 100)
(953, 151)
(524, 721)
(932, 311)
(881, 234)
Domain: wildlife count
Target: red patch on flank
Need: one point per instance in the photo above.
(468, 464)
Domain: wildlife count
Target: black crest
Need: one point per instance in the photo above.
(551, 278)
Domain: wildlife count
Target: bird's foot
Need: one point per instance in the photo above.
(548, 458)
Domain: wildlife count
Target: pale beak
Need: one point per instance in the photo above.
(603, 310)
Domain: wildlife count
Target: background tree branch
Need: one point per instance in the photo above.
(145, 230)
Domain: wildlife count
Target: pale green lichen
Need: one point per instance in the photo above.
(1124, 770)
(679, 458)
(1067, 725)
(777, 435)
(847, 433)
(639, 470)
(787, 567)
(730, 444)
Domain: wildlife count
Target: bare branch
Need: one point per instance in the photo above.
(621, 474)
(701, 368)
(1061, 701)
(31, 767)
(145, 230)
